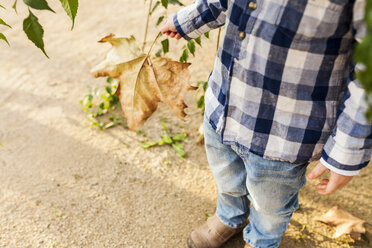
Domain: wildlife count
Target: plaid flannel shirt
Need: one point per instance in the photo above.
(282, 86)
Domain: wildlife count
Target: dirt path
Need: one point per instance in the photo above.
(64, 184)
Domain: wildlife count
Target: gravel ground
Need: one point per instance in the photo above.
(65, 184)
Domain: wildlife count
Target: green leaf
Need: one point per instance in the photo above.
(200, 102)
(167, 139)
(109, 125)
(34, 31)
(191, 47)
(160, 19)
(4, 23)
(180, 137)
(164, 3)
(198, 41)
(71, 8)
(99, 125)
(155, 7)
(38, 4)
(15, 6)
(149, 145)
(1, 144)
(179, 150)
(109, 80)
(158, 53)
(164, 126)
(108, 89)
(175, 2)
(206, 34)
(1, 6)
(185, 56)
(204, 84)
(165, 45)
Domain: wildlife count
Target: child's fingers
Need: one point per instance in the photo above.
(173, 34)
(321, 186)
(325, 181)
(329, 188)
(168, 27)
(317, 171)
(335, 182)
(178, 36)
(165, 27)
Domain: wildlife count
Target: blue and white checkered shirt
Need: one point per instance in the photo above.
(282, 85)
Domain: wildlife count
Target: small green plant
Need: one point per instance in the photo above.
(207, 215)
(167, 139)
(108, 102)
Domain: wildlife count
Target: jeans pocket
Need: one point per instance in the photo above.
(311, 19)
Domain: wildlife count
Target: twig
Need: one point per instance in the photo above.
(152, 45)
(147, 25)
(218, 39)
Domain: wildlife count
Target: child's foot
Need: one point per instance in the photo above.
(211, 234)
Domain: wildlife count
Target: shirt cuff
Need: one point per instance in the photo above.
(180, 30)
(189, 23)
(339, 171)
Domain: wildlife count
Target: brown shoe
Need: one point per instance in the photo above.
(211, 234)
(248, 245)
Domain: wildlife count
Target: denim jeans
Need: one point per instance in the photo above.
(243, 178)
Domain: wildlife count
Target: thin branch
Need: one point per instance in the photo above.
(147, 25)
(218, 39)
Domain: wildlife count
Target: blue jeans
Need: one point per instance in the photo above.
(244, 178)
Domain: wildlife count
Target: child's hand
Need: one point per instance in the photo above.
(328, 186)
(169, 28)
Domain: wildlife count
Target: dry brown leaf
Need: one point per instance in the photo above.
(344, 222)
(144, 81)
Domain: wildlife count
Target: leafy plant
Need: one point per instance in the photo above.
(108, 101)
(167, 139)
(363, 55)
(31, 26)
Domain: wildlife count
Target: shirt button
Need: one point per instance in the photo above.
(242, 35)
(253, 5)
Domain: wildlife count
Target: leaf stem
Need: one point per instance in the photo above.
(218, 39)
(147, 25)
(152, 45)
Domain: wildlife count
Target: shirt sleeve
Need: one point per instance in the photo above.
(200, 17)
(349, 147)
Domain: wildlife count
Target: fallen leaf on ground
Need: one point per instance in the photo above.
(144, 80)
(344, 222)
